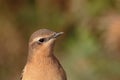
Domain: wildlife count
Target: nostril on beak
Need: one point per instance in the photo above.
(58, 34)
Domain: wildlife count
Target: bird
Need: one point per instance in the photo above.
(41, 63)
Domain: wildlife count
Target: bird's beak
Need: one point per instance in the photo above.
(57, 34)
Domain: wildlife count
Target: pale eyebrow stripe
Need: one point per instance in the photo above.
(36, 39)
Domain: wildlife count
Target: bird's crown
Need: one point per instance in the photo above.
(41, 33)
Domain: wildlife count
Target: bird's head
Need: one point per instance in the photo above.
(43, 40)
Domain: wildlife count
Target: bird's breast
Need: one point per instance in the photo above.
(45, 69)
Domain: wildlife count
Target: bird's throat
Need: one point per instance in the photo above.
(40, 55)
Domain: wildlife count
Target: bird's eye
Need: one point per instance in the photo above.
(41, 40)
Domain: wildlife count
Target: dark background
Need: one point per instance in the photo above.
(89, 48)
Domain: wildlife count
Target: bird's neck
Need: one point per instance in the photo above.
(40, 55)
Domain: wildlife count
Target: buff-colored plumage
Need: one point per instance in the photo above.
(42, 64)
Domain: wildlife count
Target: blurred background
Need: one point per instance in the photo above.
(89, 49)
